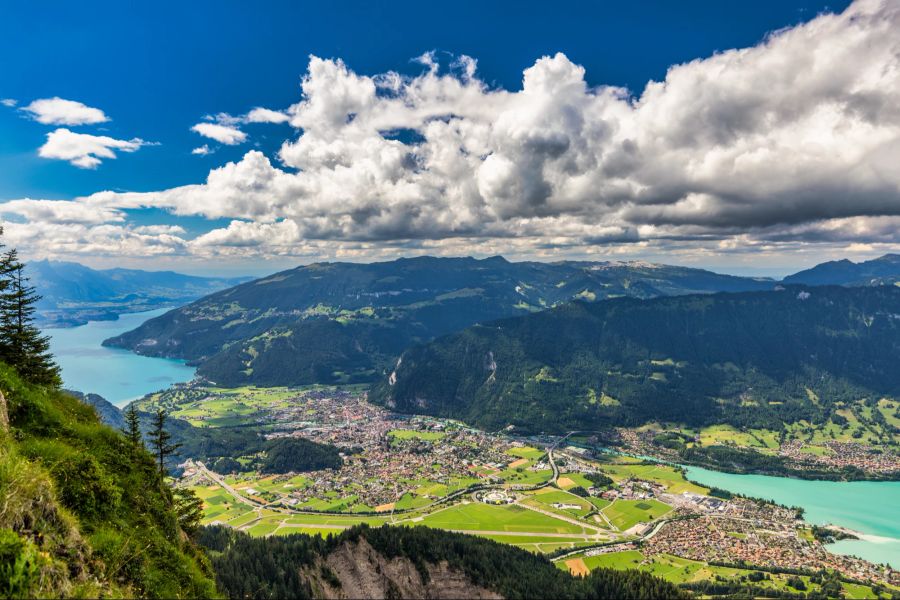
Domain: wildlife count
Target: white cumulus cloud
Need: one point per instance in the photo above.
(789, 144)
(58, 111)
(84, 150)
(266, 115)
(224, 134)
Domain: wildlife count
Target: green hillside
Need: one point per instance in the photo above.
(85, 513)
(754, 359)
(347, 323)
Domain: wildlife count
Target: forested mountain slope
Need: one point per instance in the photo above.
(753, 358)
(343, 322)
(401, 562)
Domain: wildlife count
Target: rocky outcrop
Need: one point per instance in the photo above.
(356, 570)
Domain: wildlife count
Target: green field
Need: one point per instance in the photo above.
(536, 543)
(625, 514)
(242, 520)
(630, 559)
(669, 477)
(522, 476)
(576, 479)
(526, 452)
(412, 434)
(310, 519)
(546, 497)
(475, 516)
(719, 435)
(262, 528)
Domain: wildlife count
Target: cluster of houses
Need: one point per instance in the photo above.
(379, 468)
(757, 541)
(881, 460)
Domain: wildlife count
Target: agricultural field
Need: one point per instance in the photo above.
(669, 477)
(854, 422)
(536, 543)
(520, 471)
(625, 514)
(532, 454)
(567, 481)
(412, 434)
(474, 516)
(220, 506)
(718, 435)
(272, 489)
(545, 498)
(628, 559)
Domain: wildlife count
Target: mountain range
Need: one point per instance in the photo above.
(347, 323)
(884, 270)
(73, 294)
(751, 359)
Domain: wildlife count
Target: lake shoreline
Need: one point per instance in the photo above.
(118, 375)
(841, 505)
(798, 474)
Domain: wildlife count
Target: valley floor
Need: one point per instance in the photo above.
(552, 495)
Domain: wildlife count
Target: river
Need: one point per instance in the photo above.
(871, 508)
(117, 375)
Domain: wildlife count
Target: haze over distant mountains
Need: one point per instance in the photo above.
(348, 322)
(73, 294)
(884, 270)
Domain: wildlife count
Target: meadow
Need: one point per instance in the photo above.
(625, 514)
(475, 516)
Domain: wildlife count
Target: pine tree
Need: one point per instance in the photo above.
(189, 509)
(159, 440)
(132, 429)
(23, 345)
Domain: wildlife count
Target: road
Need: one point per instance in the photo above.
(584, 526)
(221, 482)
(552, 462)
(597, 535)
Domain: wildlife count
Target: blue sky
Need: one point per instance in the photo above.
(156, 69)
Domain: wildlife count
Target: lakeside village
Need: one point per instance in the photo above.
(394, 463)
(873, 460)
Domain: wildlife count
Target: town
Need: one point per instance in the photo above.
(549, 494)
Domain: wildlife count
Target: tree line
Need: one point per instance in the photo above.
(22, 346)
(286, 566)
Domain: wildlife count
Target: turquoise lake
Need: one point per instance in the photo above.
(869, 507)
(117, 375)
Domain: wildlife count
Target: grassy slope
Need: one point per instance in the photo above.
(84, 514)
